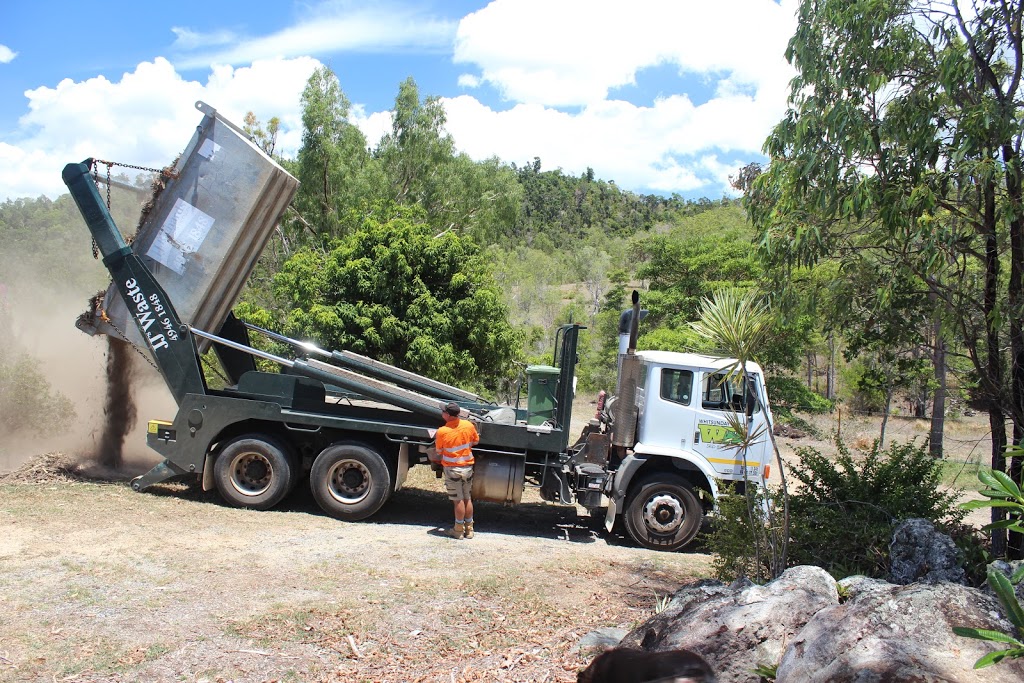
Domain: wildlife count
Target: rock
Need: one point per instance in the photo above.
(919, 552)
(788, 431)
(738, 627)
(885, 632)
(852, 586)
(600, 640)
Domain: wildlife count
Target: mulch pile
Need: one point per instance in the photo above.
(47, 469)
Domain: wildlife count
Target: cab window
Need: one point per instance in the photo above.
(676, 385)
(722, 391)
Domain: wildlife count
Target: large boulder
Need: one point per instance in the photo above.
(920, 553)
(879, 632)
(883, 632)
(739, 627)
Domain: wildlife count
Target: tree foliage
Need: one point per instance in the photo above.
(394, 291)
(333, 166)
(563, 208)
(424, 169)
(844, 513)
(899, 156)
(703, 255)
(29, 405)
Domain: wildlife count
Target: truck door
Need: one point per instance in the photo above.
(723, 396)
(668, 418)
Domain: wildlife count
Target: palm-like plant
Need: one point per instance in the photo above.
(738, 324)
(1001, 491)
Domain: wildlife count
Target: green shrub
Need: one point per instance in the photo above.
(731, 538)
(1002, 491)
(789, 394)
(862, 386)
(843, 514)
(975, 549)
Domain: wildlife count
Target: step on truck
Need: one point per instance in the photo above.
(654, 457)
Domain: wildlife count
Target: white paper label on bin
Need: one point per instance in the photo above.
(208, 149)
(180, 236)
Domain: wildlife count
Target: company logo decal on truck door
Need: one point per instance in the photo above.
(717, 432)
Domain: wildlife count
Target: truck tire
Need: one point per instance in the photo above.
(254, 471)
(662, 512)
(349, 481)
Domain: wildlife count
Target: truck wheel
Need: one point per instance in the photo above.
(662, 512)
(254, 471)
(350, 482)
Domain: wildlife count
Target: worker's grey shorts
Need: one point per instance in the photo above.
(458, 481)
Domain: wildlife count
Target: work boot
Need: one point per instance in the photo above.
(457, 531)
(469, 529)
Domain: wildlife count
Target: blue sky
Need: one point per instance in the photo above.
(659, 95)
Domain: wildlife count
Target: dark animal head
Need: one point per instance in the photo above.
(623, 665)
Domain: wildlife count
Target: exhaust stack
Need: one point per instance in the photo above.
(625, 408)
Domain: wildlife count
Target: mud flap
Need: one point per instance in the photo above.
(208, 482)
(403, 466)
(609, 519)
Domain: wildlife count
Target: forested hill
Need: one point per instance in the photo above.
(571, 245)
(565, 208)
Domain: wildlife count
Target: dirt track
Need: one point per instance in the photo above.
(98, 583)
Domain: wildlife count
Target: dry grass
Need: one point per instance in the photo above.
(103, 584)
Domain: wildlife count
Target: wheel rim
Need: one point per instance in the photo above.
(349, 482)
(663, 514)
(251, 473)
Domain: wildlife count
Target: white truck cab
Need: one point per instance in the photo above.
(683, 405)
(684, 445)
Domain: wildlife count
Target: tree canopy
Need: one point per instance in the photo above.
(394, 290)
(900, 155)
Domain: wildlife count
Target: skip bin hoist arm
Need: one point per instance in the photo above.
(382, 371)
(169, 341)
(346, 379)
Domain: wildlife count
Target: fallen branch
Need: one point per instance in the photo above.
(352, 644)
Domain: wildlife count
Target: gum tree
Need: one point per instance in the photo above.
(901, 147)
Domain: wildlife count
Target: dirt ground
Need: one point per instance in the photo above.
(98, 583)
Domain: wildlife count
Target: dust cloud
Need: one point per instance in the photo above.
(106, 380)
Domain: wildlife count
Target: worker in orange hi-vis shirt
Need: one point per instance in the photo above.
(454, 444)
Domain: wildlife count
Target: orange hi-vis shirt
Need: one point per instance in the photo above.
(455, 441)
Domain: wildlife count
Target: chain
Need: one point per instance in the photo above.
(168, 172)
(127, 340)
(96, 180)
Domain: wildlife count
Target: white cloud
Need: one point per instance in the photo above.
(541, 55)
(373, 125)
(572, 52)
(331, 28)
(145, 119)
(638, 147)
(7, 54)
(469, 81)
(187, 39)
